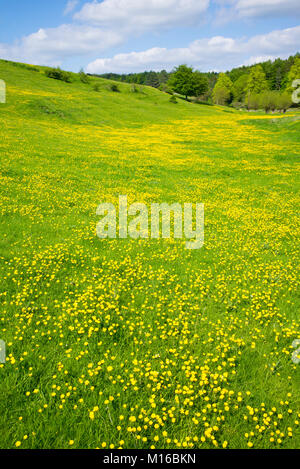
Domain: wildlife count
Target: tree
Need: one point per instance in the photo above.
(238, 88)
(163, 77)
(83, 76)
(294, 74)
(182, 81)
(256, 82)
(222, 92)
(268, 101)
(284, 101)
(253, 101)
(200, 83)
(152, 80)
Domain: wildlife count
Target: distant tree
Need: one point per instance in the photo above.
(253, 101)
(163, 77)
(134, 88)
(83, 76)
(200, 83)
(293, 74)
(165, 88)
(220, 96)
(222, 92)
(256, 82)
(182, 82)
(152, 80)
(276, 75)
(239, 87)
(268, 100)
(284, 101)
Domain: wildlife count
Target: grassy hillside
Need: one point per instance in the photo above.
(143, 344)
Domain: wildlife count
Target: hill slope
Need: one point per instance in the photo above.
(142, 343)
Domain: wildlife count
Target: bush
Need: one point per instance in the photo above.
(284, 102)
(96, 87)
(202, 100)
(165, 88)
(134, 88)
(58, 74)
(238, 105)
(253, 101)
(83, 77)
(268, 101)
(113, 87)
(173, 99)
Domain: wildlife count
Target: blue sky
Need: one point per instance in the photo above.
(136, 35)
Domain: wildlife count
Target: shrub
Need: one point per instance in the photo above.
(165, 88)
(58, 74)
(268, 101)
(173, 99)
(96, 87)
(83, 77)
(113, 87)
(134, 88)
(253, 101)
(284, 102)
(238, 105)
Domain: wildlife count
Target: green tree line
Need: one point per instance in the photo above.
(265, 85)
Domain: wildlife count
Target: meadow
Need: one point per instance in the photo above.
(144, 344)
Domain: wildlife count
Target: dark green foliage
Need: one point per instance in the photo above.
(187, 82)
(149, 78)
(58, 74)
(152, 80)
(275, 79)
(173, 99)
(113, 87)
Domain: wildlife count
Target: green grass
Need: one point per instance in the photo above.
(191, 348)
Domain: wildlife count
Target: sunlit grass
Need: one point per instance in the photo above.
(141, 344)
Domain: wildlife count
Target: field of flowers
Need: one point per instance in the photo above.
(144, 344)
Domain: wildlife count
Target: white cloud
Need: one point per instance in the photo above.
(232, 10)
(71, 5)
(254, 8)
(258, 59)
(51, 46)
(99, 26)
(142, 15)
(206, 54)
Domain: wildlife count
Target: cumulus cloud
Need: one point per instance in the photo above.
(204, 54)
(251, 8)
(71, 5)
(51, 46)
(99, 26)
(231, 10)
(142, 15)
